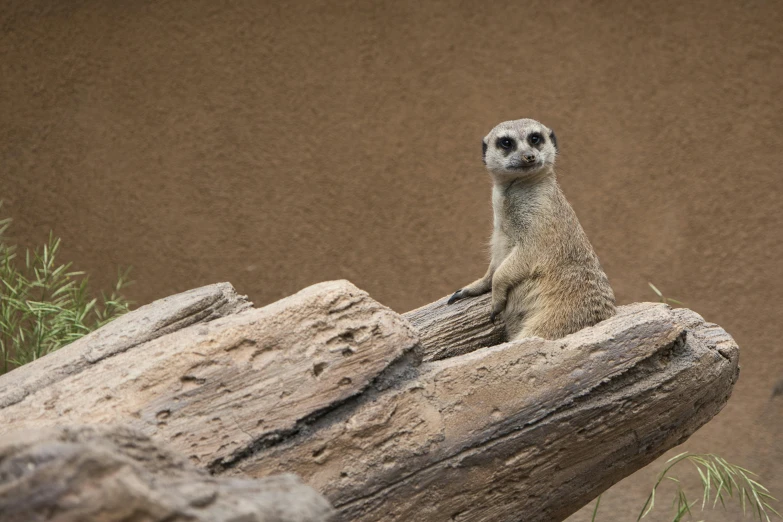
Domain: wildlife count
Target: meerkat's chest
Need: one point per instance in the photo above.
(513, 213)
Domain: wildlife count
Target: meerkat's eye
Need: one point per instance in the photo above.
(505, 143)
(535, 138)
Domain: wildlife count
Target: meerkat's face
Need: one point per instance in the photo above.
(519, 148)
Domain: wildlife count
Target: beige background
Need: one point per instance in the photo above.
(278, 144)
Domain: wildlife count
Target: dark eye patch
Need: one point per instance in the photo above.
(536, 139)
(484, 151)
(506, 144)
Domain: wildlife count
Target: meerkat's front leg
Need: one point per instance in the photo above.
(477, 287)
(507, 275)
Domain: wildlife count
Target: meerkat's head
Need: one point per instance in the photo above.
(519, 148)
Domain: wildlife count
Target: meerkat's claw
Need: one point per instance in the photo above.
(492, 316)
(455, 297)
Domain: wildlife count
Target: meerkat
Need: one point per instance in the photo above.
(544, 276)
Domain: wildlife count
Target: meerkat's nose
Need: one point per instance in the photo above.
(529, 157)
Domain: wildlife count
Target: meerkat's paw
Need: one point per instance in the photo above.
(497, 310)
(456, 296)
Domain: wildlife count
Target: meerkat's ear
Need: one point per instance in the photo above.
(554, 139)
(484, 151)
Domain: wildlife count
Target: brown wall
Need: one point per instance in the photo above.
(277, 144)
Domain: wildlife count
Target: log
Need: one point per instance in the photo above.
(530, 430)
(149, 322)
(447, 330)
(424, 416)
(85, 473)
(229, 387)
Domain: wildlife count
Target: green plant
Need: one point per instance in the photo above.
(719, 478)
(44, 306)
(667, 300)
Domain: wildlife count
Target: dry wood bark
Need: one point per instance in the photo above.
(448, 330)
(99, 474)
(393, 422)
(229, 387)
(125, 333)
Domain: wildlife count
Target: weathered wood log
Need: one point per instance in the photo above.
(530, 430)
(392, 422)
(229, 387)
(447, 330)
(125, 333)
(99, 474)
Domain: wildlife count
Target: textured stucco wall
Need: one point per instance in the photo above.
(278, 144)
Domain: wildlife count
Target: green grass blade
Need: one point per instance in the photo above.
(595, 510)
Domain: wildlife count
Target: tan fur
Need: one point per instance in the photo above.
(544, 275)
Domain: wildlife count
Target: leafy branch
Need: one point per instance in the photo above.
(721, 481)
(45, 306)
